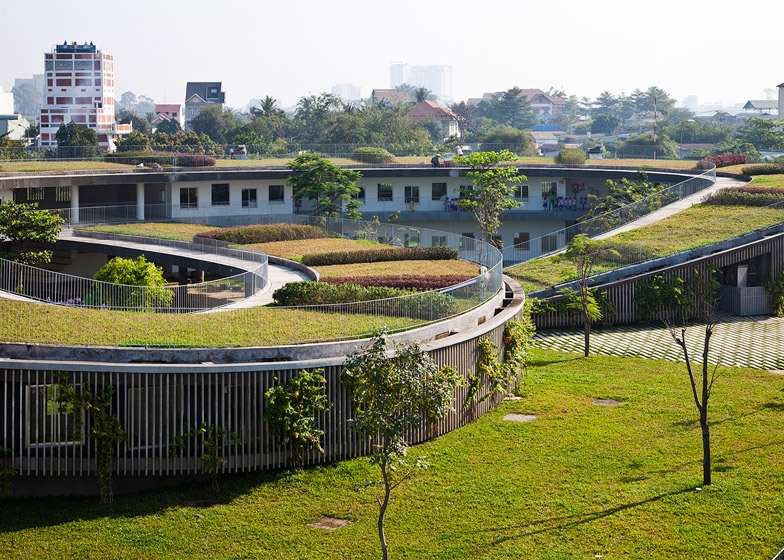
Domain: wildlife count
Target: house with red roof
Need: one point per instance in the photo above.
(432, 111)
(167, 112)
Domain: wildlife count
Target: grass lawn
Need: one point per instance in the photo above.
(580, 481)
(158, 230)
(694, 227)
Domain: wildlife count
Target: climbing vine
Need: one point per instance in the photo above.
(517, 339)
(776, 289)
(291, 411)
(213, 439)
(106, 429)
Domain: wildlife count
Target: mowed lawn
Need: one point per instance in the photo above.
(581, 481)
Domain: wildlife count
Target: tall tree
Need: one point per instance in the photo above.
(216, 122)
(512, 109)
(492, 191)
(77, 141)
(393, 395)
(267, 108)
(422, 94)
(329, 185)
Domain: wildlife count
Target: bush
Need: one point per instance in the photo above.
(194, 160)
(763, 169)
(723, 160)
(245, 235)
(381, 255)
(135, 158)
(428, 306)
(571, 156)
(372, 155)
(746, 196)
(402, 281)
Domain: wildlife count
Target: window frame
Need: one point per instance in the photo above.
(280, 194)
(250, 198)
(218, 190)
(387, 187)
(411, 194)
(191, 198)
(433, 191)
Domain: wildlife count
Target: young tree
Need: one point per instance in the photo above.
(145, 281)
(583, 252)
(491, 192)
(703, 291)
(392, 394)
(331, 186)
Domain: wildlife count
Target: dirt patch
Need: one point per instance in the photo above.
(607, 402)
(329, 523)
(520, 417)
(776, 371)
(205, 504)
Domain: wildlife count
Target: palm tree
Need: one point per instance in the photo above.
(422, 94)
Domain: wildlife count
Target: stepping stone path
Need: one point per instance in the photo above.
(520, 417)
(756, 342)
(329, 523)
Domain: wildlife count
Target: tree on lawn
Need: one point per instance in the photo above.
(77, 141)
(703, 291)
(22, 228)
(392, 394)
(583, 252)
(492, 192)
(329, 185)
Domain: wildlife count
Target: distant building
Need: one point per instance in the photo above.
(760, 107)
(543, 105)
(167, 112)
(79, 88)
(436, 78)
(390, 97)
(347, 92)
(36, 83)
(780, 87)
(13, 126)
(199, 95)
(431, 111)
(6, 102)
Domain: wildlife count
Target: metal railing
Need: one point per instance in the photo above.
(556, 241)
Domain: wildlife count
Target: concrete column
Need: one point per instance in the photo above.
(74, 204)
(140, 201)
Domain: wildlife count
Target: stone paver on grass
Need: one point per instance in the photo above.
(737, 341)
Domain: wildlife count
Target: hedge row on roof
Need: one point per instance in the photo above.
(746, 196)
(401, 281)
(267, 233)
(722, 160)
(381, 255)
(763, 169)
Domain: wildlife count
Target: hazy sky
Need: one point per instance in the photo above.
(291, 49)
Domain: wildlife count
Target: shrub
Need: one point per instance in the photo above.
(372, 155)
(245, 235)
(402, 281)
(746, 196)
(722, 160)
(194, 160)
(135, 158)
(571, 156)
(428, 306)
(381, 255)
(763, 169)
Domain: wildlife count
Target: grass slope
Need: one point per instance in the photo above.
(580, 481)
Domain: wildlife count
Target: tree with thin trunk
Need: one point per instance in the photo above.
(583, 252)
(394, 392)
(703, 289)
(333, 188)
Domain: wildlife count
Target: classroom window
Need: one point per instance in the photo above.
(521, 192)
(412, 195)
(249, 198)
(189, 197)
(521, 240)
(384, 192)
(35, 193)
(220, 194)
(438, 191)
(62, 193)
(49, 421)
(549, 243)
(276, 194)
(548, 187)
(439, 241)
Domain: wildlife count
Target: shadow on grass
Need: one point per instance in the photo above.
(17, 514)
(569, 521)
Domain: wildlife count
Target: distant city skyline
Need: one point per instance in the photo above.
(258, 50)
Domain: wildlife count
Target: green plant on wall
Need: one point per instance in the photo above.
(776, 289)
(212, 439)
(498, 376)
(517, 339)
(291, 412)
(105, 429)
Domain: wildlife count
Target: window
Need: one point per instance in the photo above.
(249, 199)
(411, 239)
(548, 187)
(521, 192)
(438, 191)
(35, 193)
(384, 192)
(549, 243)
(521, 240)
(47, 421)
(465, 191)
(189, 197)
(276, 194)
(467, 242)
(412, 195)
(220, 194)
(361, 194)
(152, 414)
(62, 194)
(439, 241)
